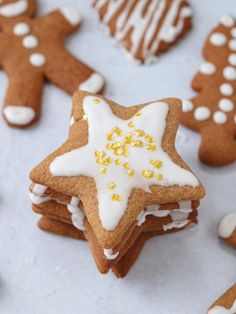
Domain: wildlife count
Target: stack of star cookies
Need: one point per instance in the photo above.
(117, 180)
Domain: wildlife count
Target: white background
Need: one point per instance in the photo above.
(182, 273)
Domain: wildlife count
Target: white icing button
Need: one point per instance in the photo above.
(219, 117)
(218, 39)
(187, 106)
(71, 15)
(227, 20)
(21, 29)
(14, 9)
(202, 113)
(227, 225)
(30, 41)
(226, 105)
(19, 115)
(226, 89)
(233, 32)
(37, 59)
(93, 84)
(232, 59)
(229, 73)
(207, 68)
(232, 44)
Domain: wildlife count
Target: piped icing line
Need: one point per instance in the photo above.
(108, 253)
(77, 215)
(227, 225)
(14, 9)
(175, 224)
(139, 162)
(37, 194)
(219, 309)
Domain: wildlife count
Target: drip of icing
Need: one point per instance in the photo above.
(14, 9)
(207, 68)
(21, 29)
(77, 215)
(226, 89)
(226, 105)
(109, 254)
(187, 106)
(71, 15)
(39, 189)
(233, 32)
(152, 120)
(30, 41)
(227, 225)
(232, 59)
(218, 309)
(202, 113)
(175, 224)
(37, 59)
(218, 39)
(227, 20)
(219, 117)
(229, 73)
(232, 44)
(36, 196)
(93, 84)
(19, 115)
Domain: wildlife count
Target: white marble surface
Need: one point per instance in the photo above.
(180, 273)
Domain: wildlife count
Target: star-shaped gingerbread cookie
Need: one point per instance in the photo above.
(32, 51)
(212, 112)
(120, 165)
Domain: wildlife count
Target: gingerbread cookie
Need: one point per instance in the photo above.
(226, 304)
(227, 229)
(118, 176)
(145, 28)
(212, 112)
(32, 50)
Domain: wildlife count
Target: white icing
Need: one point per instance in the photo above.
(207, 68)
(72, 121)
(235, 119)
(109, 254)
(232, 44)
(30, 41)
(71, 15)
(19, 115)
(21, 29)
(227, 225)
(232, 59)
(175, 224)
(218, 39)
(202, 113)
(77, 215)
(37, 59)
(37, 195)
(229, 73)
(233, 32)
(226, 105)
(39, 189)
(93, 84)
(14, 9)
(218, 309)
(75, 163)
(226, 89)
(219, 117)
(187, 106)
(143, 27)
(227, 20)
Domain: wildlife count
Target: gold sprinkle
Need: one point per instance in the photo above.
(148, 174)
(149, 138)
(159, 176)
(151, 147)
(126, 165)
(85, 117)
(103, 170)
(107, 161)
(130, 172)
(99, 160)
(109, 146)
(138, 114)
(138, 144)
(96, 101)
(116, 197)
(109, 136)
(131, 124)
(111, 186)
(117, 161)
(118, 151)
(139, 133)
(156, 163)
(101, 154)
(117, 131)
(125, 153)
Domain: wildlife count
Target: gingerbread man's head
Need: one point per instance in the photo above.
(12, 9)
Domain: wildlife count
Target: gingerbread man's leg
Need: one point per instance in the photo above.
(23, 100)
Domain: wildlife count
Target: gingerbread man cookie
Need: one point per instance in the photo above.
(226, 304)
(32, 50)
(227, 229)
(212, 112)
(145, 28)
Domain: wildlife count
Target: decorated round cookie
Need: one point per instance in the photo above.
(212, 112)
(144, 28)
(31, 51)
